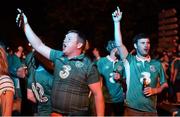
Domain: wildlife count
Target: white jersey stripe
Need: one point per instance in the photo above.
(127, 71)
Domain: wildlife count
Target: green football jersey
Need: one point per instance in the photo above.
(136, 70)
(112, 89)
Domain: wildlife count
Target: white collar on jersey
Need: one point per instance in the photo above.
(143, 59)
(110, 59)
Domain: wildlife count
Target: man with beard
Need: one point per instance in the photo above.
(111, 69)
(142, 73)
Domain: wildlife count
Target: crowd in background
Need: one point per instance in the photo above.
(104, 77)
(169, 59)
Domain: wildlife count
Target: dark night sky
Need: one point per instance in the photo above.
(51, 19)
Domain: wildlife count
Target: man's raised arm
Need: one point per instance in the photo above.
(117, 15)
(31, 36)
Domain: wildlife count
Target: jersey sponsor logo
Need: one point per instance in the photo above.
(79, 64)
(152, 68)
(64, 73)
(111, 78)
(145, 75)
(39, 92)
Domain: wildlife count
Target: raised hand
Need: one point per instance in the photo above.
(117, 15)
(21, 18)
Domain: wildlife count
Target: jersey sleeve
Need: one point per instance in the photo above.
(93, 75)
(54, 54)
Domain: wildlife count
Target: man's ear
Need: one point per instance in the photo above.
(79, 45)
(135, 46)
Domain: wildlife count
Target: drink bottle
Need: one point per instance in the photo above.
(144, 85)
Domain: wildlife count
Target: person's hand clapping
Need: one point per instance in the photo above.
(117, 76)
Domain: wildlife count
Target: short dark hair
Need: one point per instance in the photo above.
(139, 36)
(81, 37)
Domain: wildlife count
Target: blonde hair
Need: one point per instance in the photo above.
(3, 62)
